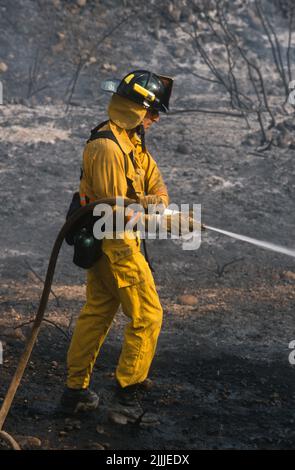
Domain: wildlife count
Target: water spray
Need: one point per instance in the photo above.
(193, 223)
(254, 241)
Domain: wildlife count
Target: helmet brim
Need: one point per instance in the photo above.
(110, 85)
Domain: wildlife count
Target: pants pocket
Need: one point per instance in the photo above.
(129, 270)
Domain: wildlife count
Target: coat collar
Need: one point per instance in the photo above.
(122, 137)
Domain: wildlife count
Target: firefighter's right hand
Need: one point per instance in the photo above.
(179, 223)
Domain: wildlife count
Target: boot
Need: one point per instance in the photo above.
(127, 403)
(75, 400)
(146, 386)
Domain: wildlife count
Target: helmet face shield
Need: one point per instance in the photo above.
(145, 88)
(168, 84)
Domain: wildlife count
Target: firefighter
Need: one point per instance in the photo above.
(117, 163)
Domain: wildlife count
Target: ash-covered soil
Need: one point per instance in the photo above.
(221, 376)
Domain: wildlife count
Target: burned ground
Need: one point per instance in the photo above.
(221, 376)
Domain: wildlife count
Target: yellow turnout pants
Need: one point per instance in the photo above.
(129, 282)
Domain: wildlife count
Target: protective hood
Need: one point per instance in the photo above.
(125, 113)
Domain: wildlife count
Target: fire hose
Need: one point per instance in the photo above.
(23, 361)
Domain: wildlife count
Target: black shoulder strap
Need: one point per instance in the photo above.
(108, 134)
(94, 131)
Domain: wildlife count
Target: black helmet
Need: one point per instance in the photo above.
(145, 88)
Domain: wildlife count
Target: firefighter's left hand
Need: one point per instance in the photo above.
(150, 199)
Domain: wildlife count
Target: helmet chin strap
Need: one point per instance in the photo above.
(141, 132)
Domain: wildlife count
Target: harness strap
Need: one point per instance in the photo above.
(108, 134)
